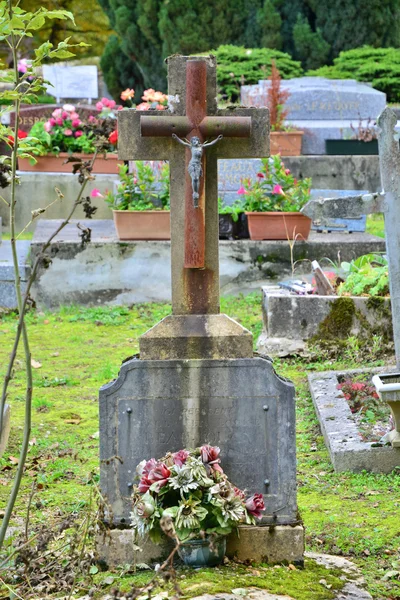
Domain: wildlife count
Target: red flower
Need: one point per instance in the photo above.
(255, 505)
(159, 474)
(144, 485)
(209, 456)
(260, 175)
(21, 136)
(113, 137)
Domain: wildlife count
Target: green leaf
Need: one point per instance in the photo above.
(93, 570)
(17, 23)
(172, 511)
(59, 14)
(37, 22)
(61, 54)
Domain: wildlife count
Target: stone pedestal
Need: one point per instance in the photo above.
(241, 405)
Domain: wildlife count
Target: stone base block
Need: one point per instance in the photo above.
(194, 337)
(283, 543)
(5, 430)
(116, 547)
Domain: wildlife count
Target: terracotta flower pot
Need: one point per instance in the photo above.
(278, 225)
(142, 224)
(56, 164)
(286, 143)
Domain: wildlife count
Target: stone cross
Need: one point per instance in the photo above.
(147, 135)
(387, 202)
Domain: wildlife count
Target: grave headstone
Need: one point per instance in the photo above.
(196, 381)
(32, 114)
(323, 108)
(71, 82)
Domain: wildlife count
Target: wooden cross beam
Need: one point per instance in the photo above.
(147, 135)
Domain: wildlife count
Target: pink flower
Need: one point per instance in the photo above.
(160, 107)
(277, 189)
(111, 103)
(210, 457)
(95, 193)
(69, 107)
(287, 171)
(180, 457)
(78, 133)
(105, 101)
(255, 505)
(52, 121)
(76, 122)
(92, 118)
(241, 190)
(119, 107)
(59, 121)
(99, 106)
(47, 126)
(23, 65)
(159, 475)
(67, 132)
(74, 115)
(144, 484)
(64, 115)
(148, 95)
(239, 493)
(57, 112)
(143, 106)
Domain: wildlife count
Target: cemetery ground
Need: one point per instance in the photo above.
(76, 350)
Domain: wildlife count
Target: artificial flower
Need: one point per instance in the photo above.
(210, 457)
(127, 94)
(255, 505)
(95, 193)
(277, 189)
(113, 137)
(143, 106)
(78, 133)
(241, 190)
(67, 132)
(179, 458)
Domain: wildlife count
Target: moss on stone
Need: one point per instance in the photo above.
(338, 324)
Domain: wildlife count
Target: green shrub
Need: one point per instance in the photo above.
(379, 66)
(238, 66)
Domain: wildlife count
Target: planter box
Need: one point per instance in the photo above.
(278, 225)
(348, 452)
(57, 164)
(286, 143)
(289, 320)
(348, 147)
(142, 224)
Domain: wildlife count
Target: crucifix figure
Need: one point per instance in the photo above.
(194, 169)
(192, 135)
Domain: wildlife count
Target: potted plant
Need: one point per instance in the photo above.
(284, 139)
(363, 141)
(65, 134)
(272, 203)
(191, 489)
(140, 203)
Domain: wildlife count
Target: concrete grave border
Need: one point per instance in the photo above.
(346, 449)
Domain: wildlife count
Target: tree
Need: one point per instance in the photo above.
(310, 46)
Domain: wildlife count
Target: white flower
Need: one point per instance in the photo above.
(69, 108)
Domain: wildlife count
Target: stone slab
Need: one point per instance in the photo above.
(36, 190)
(5, 430)
(8, 298)
(108, 271)
(317, 98)
(196, 336)
(118, 547)
(240, 405)
(348, 452)
(295, 317)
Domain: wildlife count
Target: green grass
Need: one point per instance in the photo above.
(376, 225)
(81, 349)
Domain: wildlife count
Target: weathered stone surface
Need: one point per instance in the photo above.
(43, 185)
(317, 98)
(5, 430)
(196, 336)
(117, 547)
(347, 450)
(268, 544)
(295, 317)
(241, 405)
(347, 206)
(7, 288)
(112, 272)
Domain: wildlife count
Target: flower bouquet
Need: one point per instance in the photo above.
(191, 488)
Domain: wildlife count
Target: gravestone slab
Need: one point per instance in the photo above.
(320, 99)
(71, 81)
(30, 115)
(324, 109)
(240, 405)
